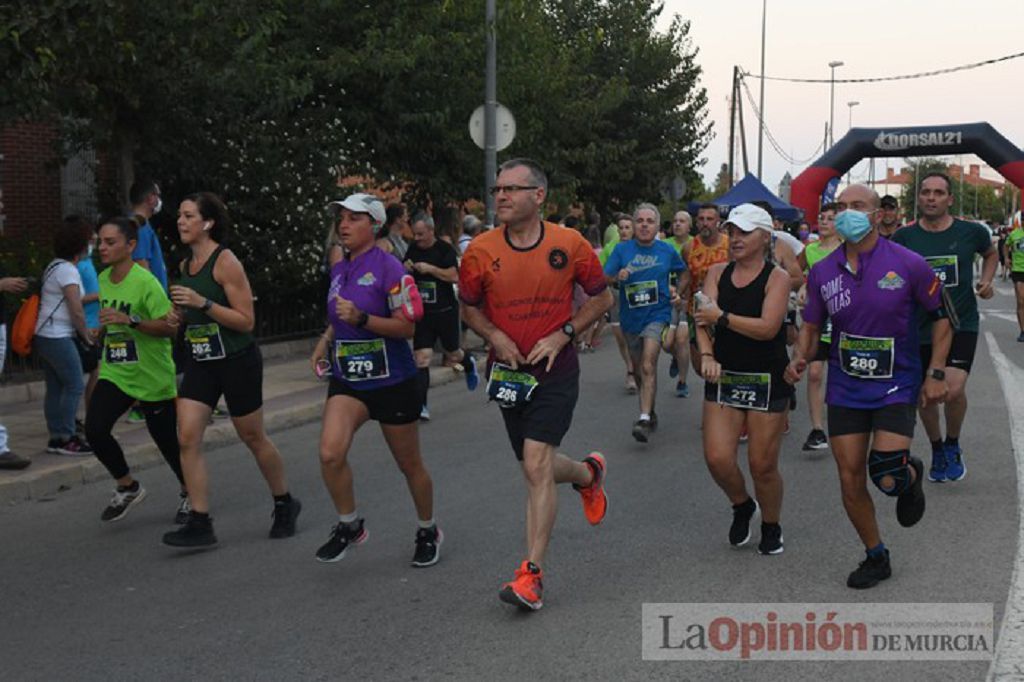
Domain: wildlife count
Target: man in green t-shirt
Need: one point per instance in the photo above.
(950, 245)
(1015, 264)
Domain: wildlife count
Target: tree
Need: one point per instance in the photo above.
(978, 202)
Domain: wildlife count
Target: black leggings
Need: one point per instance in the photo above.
(108, 404)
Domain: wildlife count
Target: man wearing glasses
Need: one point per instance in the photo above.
(516, 286)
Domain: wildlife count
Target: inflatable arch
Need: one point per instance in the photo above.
(860, 143)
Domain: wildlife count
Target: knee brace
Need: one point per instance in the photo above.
(890, 471)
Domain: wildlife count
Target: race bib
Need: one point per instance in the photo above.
(826, 333)
(945, 268)
(428, 291)
(204, 341)
(640, 294)
(361, 360)
(748, 391)
(509, 387)
(119, 349)
(866, 357)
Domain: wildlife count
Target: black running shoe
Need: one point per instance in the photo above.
(870, 572)
(642, 429)
(197, 532)
(122, 502)
(816, 440)
(428, 547)
(910, 503)
(285, 515)
(342, 535)
(654, 420)
(771, 539)
(742, 515)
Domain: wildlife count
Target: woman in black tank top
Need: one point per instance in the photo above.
(743, 357)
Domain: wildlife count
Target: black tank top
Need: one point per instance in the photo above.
(739, 353)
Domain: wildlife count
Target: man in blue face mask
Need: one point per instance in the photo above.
(871, 288)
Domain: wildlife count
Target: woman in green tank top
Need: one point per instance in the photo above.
(222, 359)
(828, 242)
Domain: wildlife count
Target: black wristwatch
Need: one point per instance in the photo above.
(569, 330)
(937, 374)
(723, 321)
(207, 304)
(363, 319)
(134, 321)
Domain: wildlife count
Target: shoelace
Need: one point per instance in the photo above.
(120, 497)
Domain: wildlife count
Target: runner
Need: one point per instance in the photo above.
(642, 267)
(745, 302)
(890, 216)
(138, 323)
(625, 233)
(223, 359)
(949, 245)
(678, 346)
(827, 243)
(435, 268)
(1015, 264)
(516, 286)
(708, 248)
(870, 288)
(372, 306)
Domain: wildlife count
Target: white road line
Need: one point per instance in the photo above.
(1008, 662)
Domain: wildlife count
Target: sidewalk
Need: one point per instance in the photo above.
(291, 396)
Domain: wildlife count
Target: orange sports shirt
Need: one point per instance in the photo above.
(700, 261)
(527, 293)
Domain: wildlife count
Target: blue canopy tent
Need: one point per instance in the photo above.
(751, 189)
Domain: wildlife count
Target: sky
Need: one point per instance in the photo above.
(873, 38)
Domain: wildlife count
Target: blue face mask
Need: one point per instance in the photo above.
(853, 225)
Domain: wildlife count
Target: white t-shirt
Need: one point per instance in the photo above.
(790, 241)
(58, 275)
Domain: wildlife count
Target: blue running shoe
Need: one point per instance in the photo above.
(682, 390)
(673, 369)
(472, 376)
(955, 467)
(937, 474)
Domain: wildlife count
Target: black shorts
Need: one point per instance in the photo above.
(548, 415)
(238, 377)
(1017, 276)
(398, 404)
(823, 350)
(442, 325)
(899, 419)
(961, 352)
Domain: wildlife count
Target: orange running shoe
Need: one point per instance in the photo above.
(595, 500)
(526, 590)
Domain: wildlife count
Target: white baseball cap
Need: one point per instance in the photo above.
(748, 218)
(362, 203)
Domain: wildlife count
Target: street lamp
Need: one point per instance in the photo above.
(832, 101)
(851, 104)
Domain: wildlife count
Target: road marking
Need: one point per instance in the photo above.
(1002, 316)
(1008, 662)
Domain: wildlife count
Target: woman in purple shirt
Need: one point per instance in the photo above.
(372, 305)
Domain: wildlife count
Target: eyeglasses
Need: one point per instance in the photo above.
(508, 189)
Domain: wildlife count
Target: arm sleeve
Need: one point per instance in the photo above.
(471, 276)
(587, 268)
(144, 248)
(65, 274)
(984, 239)
(450, 259)
(155, 299)
(815, 311)
(611, 263)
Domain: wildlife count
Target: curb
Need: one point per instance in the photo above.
(47, 484)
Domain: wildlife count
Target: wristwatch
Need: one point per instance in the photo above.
(363, 319)
(569, 330)
(134, 321)
(937, 374)
(207, 304)
(723, 321)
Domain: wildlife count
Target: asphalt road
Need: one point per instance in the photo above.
(83, 600)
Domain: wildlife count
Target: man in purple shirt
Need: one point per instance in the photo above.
(870, 289)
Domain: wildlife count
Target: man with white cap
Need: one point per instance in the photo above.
(742, 344)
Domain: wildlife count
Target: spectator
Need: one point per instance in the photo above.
(60, 329)
(8, 285)
(449, 225)
(470, 228)
(396, 224)
(91, 305)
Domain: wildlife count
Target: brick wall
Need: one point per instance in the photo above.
(30, 180)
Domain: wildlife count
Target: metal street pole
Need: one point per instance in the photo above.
(760, 130)
(832, 103)
(490, 117)
(849, 125)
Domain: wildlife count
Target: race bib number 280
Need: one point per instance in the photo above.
(866, 357)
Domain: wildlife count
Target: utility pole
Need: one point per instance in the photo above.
(832, 104)
(760, 129)
(490, 116)
(732, 120)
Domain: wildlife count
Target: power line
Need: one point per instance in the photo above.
(771, 138)
(923, 74)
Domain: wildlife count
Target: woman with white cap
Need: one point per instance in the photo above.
(744, 305)
(372, 306)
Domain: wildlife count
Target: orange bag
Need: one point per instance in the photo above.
(24, 327)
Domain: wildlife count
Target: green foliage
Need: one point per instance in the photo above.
(976, 202)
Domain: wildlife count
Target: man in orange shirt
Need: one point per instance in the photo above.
(709, 247)
(516, 285)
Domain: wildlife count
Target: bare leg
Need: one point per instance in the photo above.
(343, 415)
(765, 430)
(815, 399)
(193, 416)
(252, 432)
(721, 436)
(404, 442)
